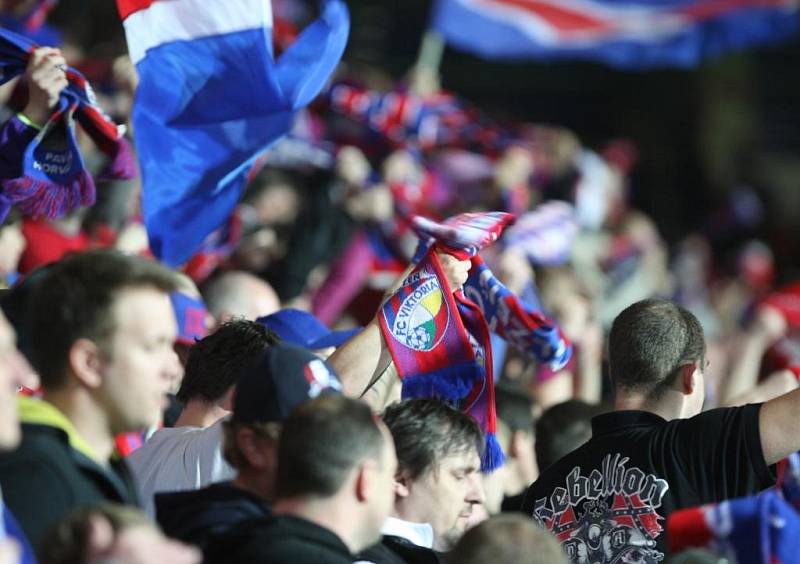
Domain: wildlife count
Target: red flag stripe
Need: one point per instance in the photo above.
(128, 7)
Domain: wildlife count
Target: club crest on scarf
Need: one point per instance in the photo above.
(420, 320)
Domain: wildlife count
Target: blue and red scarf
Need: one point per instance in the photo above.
(528, 330)
(439, 340)
(54, 179)
(434, 121)
(763, 528)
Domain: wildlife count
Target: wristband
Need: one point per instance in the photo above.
(27, 121)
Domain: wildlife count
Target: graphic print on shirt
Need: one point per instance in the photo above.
(606, 516)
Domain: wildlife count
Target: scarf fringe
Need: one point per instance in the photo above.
(493, 456)
(453, 383)
(41, 198)
(122, 165)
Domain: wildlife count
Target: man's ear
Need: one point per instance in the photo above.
(364, 479)
(86, 362)
(520, 442)
(401, 485)
(226, 402)
(687, 377)
(250, 446)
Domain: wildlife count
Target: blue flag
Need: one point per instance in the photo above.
(211, 99)
(630, 34)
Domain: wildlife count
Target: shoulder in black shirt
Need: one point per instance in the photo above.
(610, 498)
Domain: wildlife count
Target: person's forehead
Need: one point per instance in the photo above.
(143, 307)
(465, 459)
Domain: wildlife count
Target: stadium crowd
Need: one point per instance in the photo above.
(254, 405)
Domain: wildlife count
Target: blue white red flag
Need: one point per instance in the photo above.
(211, 98)
(632, 34)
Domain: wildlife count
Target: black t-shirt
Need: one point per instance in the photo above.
(195, 516)
(283, 539)
(611, 497)
(397, 550)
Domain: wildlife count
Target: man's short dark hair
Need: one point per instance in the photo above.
(427, 430)
(561, 429)
(216, 361)
(321, 442)
(74, 300)
(514, 407)
(649, 342)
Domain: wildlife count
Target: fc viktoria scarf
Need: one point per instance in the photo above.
(439, 340)
(427, 338)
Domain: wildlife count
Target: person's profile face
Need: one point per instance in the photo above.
(447, 494)
(14, 370)
(140, 363)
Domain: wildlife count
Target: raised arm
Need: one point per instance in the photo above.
(365, 358)
(779, 425)
(768, 326)
(361, 359)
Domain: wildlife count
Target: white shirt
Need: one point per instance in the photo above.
(179, 459)
(420, 534)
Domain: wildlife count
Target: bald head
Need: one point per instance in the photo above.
(239, 294)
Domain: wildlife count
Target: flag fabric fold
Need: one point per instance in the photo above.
(630, 34)
(211, 100)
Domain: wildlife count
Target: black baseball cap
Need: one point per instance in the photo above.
(284, 377)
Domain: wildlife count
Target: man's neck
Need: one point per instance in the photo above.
(669, 407)
(326, 513)
(255, 483)
(515, 482)
(197, 413)
(89, 420)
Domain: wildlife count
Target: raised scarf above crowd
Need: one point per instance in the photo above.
(53, 178)
(439, 339)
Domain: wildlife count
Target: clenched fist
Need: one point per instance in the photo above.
(456, 271)
(47, 77)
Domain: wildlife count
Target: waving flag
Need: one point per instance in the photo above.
(212, 98)
(633, 34)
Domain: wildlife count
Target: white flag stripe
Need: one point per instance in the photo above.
(174, 20)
